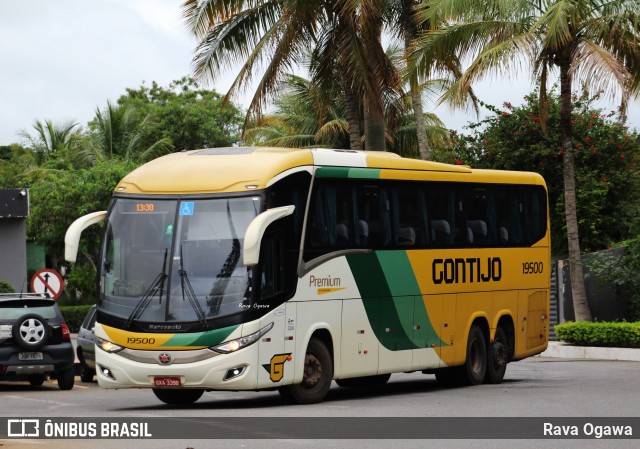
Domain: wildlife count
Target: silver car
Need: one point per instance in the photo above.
(86, 347)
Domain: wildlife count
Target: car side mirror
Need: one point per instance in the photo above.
(255, 232)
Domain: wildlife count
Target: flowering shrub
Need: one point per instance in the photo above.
(606, 155)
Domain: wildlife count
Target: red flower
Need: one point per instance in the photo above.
(619, 146)
(577, 146)
(593, 115)
(588, 139)
(505, 113)
(485, 142)
(622, 156)
(604, 179)
(561, 152)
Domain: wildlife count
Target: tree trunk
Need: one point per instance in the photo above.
(580, 305)
(374, 120)
(416, 92)
(373, 123)
(353, 116)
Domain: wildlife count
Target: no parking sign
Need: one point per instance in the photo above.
(48, 282)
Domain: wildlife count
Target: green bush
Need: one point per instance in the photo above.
(6, 287)
(583, 333)
(74, 316)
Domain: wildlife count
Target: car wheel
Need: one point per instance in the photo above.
(31, 332)
(36, 379)
(66, 379)
(86, 373)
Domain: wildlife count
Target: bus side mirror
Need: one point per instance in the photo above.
(72, 237)
(255, 231)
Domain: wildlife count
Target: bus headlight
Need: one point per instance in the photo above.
(242, 342)
(107, 346)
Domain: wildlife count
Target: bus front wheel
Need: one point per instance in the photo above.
(316, 380)
(178, 396)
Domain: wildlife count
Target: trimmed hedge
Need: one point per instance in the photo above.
(74, 316)
(583, 333)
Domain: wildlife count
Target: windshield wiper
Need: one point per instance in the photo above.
(156, 286)
(187, 290)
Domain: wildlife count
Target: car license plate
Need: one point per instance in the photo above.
(166, 381)
(30, 356)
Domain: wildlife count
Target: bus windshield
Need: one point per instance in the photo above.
(176, 260)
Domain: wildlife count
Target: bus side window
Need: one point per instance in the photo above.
(406, 210)
(372, 214)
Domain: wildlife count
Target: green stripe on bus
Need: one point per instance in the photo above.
(208, 338)
(379, 303)
(407, 297)
(348, 172)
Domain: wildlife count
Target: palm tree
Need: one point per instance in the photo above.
(306, 115)
(118, 132)
(51, 139)
(279, 33)
(593, 41)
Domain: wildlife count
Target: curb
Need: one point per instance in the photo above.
(567, 351)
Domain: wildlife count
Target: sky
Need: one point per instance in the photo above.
(60, 60)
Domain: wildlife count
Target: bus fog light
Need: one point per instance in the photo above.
(106, 372)
(234, 372)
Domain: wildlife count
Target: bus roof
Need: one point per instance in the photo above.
(240, 169)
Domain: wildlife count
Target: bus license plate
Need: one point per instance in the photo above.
(30, 356)
(172, 381)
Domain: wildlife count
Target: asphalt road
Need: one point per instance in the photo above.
(536, 387)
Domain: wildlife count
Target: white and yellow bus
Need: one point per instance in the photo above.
(263, 268)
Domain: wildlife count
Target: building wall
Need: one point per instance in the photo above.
(13, 252)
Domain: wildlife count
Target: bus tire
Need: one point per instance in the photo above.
(497, 358)
(364, 382)
(475, 364)
(316, 380)
(178, 396)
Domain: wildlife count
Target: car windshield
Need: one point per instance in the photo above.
(176, 260)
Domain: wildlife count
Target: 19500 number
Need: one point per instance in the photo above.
(141, 341)
(532, 267)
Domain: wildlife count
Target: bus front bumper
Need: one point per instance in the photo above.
(178, 369)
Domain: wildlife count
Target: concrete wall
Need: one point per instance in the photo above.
(13, 252)
(14, 210)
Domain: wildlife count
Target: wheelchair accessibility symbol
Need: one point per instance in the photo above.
(187, 207)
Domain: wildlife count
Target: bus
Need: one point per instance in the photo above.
(272, 268)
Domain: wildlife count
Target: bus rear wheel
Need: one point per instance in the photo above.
(316, 380)
(497, 358)
(475, 365)
(178, 397)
